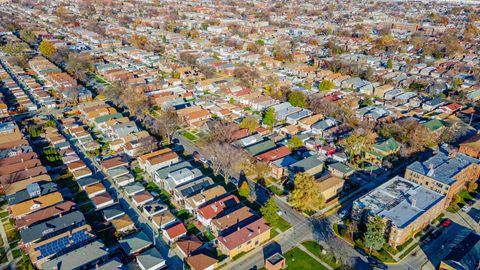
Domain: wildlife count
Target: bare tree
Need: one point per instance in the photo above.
(167, 124)
(221, 132)
(224, 158)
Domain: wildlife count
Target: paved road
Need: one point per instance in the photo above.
(170, 255)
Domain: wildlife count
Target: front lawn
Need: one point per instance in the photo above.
(297, 259)
(316, 249)
(188, 135)
(183, 214)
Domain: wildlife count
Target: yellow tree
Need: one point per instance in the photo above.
(305, 195)
(46, 48)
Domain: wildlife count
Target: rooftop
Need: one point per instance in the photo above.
(399, 200)
(443, 167)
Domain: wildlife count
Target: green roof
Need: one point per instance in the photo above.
(261, 147)
(387, 146)
(107, 117)
(434, 124)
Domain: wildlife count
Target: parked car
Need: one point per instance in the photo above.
(477, 196)
(471, 202)
(343, 213)
(465, 208)
(447, 222)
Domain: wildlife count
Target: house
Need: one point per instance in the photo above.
(142, 198)
(95, 189)
(312, 165)
(46, 213)
(207, 213)
(180, 177)
(274, 154)
(185, 191)
(260, 147)
(275, 262)
(245, 238)
(406, 208)
(112, 212)
(31, 191)
(102, 201)
(202, 259)
(123, 224)
(152, 162)
(189, 244)
(51, 228)
(382, 150)
(162, 174)
(154, 207)
(174, 232)
(150, 259)
(445, 173)
(133, 189)
(330, 187)
(84, 257)
(163, 219)
(341, 170)
(134, 244)
(279, 167)
(24, 208)
(320, 127)
(203, 197)
(231, 220)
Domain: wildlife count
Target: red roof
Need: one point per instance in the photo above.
(176, 230)
(274, 154)
(453, 106)
(215, 208)
(244, 234)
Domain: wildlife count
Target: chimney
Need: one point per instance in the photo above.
(414, 202)
(258, 230)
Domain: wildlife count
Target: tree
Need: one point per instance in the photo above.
(472, 186)
(390, 63)
(224, 158)
(270, 118)
(139, 41)
(79, 65)
(326, 85)
(305, 195)
(269, 211)
(135, 99)
(249, 123)
(246, 75)
(297, 99)
(47, 48)
(28, 36)
(244, 189)
(375, 235)
(166, 124)
(295, 142)
(14, 48)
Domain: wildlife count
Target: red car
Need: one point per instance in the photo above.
(446, 222)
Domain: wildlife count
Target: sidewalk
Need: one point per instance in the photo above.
(7, 247)
(315, 257)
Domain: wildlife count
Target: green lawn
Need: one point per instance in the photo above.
(188, 135)
(297, 259)
(16, 253)
(191, 229)
(408, 251)
(316, 249)
(3, 214)
(282, 224)
(183, 214)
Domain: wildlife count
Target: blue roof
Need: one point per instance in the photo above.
(442, 167)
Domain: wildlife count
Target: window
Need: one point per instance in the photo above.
(249, 242)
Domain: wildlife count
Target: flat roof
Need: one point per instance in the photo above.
(399, 200)
(443, 167)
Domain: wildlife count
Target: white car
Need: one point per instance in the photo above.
(342, 214)
(465, 208)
